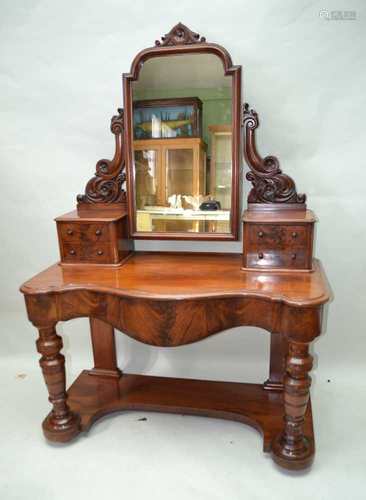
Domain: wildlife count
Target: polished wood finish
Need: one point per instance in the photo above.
(181, 40)
(104, 349)
(61, 424)
(182, 295)
(185, 276)
(84, 239)
(105, 190)
(292, 443)
(278, 240)
(277, 363)
(94, 397)
(270, 185)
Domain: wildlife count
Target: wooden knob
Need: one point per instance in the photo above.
(294, 234)
(98, 232)
(100, 252)
(70, 232)
(293, 256)
(260, 234)
(72, 252)
(260, 255)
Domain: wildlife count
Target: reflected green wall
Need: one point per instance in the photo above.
(216, 104)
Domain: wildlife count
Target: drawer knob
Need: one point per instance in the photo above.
(294, 234)
(100, 252)
(72, 252)
(98, 232)
(260, 255)
(70, 232)
(293, 256)
(260, 234)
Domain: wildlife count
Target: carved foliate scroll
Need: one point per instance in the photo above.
(107, 184)
(270, 185)
(180, 35)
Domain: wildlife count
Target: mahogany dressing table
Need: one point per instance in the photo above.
(176, 93)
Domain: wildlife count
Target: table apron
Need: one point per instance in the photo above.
(172, 323)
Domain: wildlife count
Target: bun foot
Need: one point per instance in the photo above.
(61, 430)
(292, 456)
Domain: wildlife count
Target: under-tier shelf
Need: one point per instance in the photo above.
(92, 397)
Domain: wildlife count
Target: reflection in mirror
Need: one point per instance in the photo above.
(182, 130)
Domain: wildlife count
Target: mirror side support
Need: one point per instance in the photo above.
(271, 189)
(106, 189)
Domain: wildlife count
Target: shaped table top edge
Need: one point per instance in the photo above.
(140, 271)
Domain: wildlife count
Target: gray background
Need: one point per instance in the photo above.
(60, 82)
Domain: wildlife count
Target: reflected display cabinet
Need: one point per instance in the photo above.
(164, 170)
(167, 118)
(175, 175)
(220, 164)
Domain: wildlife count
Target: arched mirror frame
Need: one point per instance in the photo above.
(180, 40)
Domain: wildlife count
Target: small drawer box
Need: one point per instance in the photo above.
(278, 236)
(73, 231)
(277, 259)
(84, 239)
(96, 253)
(281, 240)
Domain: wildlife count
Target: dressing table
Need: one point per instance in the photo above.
(175, 176)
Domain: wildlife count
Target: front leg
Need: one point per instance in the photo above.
(61, 425)
(291, 448)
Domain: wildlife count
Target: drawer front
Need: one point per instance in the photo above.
(90, 232)
(269, 258)
(97, 253)
(277, 236)
(277, 246)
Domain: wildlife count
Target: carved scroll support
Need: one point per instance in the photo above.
(61, 425)
(271, 187)
(106, 187)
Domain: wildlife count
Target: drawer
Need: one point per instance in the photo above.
(277, 236)
(98, 253)
(269, 258)
(91, 232)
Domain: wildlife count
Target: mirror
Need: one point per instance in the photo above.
(182, 145)
(182, 135)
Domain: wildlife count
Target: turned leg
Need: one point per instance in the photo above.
(104, 349)
(61, 425)
(291, 448)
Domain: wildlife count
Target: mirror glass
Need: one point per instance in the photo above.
(182, 141)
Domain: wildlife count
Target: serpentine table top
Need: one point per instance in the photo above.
(165, 275)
